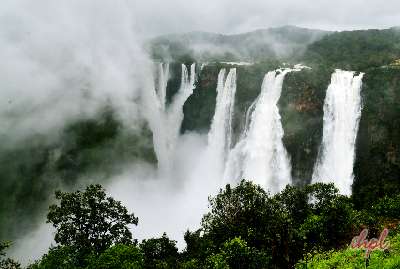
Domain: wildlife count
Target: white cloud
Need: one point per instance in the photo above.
(64, 59)
(157, 17)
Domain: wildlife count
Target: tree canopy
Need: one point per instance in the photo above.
(246, 227)
(89, 221)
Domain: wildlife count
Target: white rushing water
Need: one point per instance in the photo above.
(163, 70)
(220, 134)
(165, 120)
(342, 112)
(260, 155)
(174, 112)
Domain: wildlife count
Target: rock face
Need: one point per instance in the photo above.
(302, 113)
(377, 166)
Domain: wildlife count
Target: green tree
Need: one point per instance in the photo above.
(239, 255)
(236, 254)
(217, 261)
(317, 217)
(388, 207)
(7, 263)
(336, 217)
(282, 227)
(198, 247)
(89, 221)
(160, 252)
(248, 212)
(118, 257)
(242, 211)
(58, 257)
(190, 264)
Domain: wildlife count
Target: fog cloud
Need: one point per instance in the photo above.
(158, 17)
(63, 60)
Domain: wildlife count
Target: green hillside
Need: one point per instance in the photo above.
(275, 43)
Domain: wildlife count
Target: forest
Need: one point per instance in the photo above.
(245, 227)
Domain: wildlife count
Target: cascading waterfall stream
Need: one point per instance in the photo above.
(163, 70)
(174, 113)
(266, 161)
(165, 121)
(342, 113)
(260, 155)
(219, 136)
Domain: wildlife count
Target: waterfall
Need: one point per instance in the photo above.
(174, 112)
(342, 112)
(163, 77)
(165, 121)
(260, 155)
(219, 136)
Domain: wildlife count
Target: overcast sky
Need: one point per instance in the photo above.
(155, 17)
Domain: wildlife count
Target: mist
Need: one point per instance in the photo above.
(63, 62)
(229, 17)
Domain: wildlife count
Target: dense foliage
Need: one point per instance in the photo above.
(355, 258)
(246, 227)
(90, 222)
(356, 50)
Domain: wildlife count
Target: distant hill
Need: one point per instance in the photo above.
(273, 43)
(356, 50)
